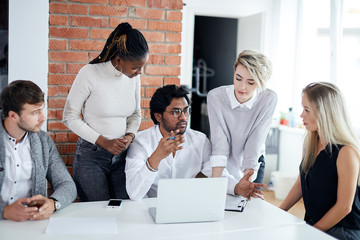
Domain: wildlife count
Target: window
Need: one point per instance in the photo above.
(328, 49)
(349, 60)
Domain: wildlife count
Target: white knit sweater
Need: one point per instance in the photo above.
(110, 105)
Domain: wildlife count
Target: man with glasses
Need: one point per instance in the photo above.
(171, 150)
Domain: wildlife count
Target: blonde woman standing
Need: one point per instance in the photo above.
(329, 171)
(240, 118)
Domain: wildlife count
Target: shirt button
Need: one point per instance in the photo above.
(15, 148)
(9, 138)
(18, 165)
(15, 182)
(13, 140)
(11, 198)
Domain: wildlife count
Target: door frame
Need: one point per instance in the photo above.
(227, 9)
(29, 43)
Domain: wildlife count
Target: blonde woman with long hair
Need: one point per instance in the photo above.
(329, 172)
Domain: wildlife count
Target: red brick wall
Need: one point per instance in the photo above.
(77, 33)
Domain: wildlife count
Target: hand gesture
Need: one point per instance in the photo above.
(127, 140)
(113, 146)
(46, 210)
(167, 145)
(248, 189)
(18, 210)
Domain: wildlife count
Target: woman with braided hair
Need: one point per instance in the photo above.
(103, 109)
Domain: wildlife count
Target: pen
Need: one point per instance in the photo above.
(260, 196)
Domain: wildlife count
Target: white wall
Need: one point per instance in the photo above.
(28, 42)
(253, 26)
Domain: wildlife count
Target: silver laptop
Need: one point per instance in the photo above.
(190, 200)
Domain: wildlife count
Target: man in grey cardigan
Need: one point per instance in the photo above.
(28, 157)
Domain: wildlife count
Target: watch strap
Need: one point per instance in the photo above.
(57, 205)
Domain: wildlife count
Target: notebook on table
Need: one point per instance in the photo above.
(190, 200)
(235, 203)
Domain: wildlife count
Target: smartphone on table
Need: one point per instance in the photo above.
(114, 203)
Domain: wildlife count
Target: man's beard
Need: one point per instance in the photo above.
(25, 128)
(169, 129)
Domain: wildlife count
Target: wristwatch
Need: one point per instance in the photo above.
(57, 204)
(130, 134)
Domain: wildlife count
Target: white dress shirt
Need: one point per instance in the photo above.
(187, 163)
(18, 175)
(235, 103)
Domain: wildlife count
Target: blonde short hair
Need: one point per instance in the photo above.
(258, 65)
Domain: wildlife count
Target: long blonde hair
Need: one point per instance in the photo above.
(332, 121)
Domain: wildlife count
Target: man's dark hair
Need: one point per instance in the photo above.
(17, 93)
(162, 98)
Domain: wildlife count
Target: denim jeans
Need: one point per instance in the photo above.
(344, 233)
(261, 171)
(98, 174)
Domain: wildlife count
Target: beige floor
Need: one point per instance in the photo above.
(297, 210)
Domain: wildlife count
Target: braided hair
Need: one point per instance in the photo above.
(125, 42)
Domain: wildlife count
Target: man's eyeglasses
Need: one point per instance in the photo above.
(176, 112)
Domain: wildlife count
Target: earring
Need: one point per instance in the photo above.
(117, 70)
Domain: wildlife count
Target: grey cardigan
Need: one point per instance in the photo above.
(47, 165)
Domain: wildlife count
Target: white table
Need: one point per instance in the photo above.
(260, 220)
(291, 232)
